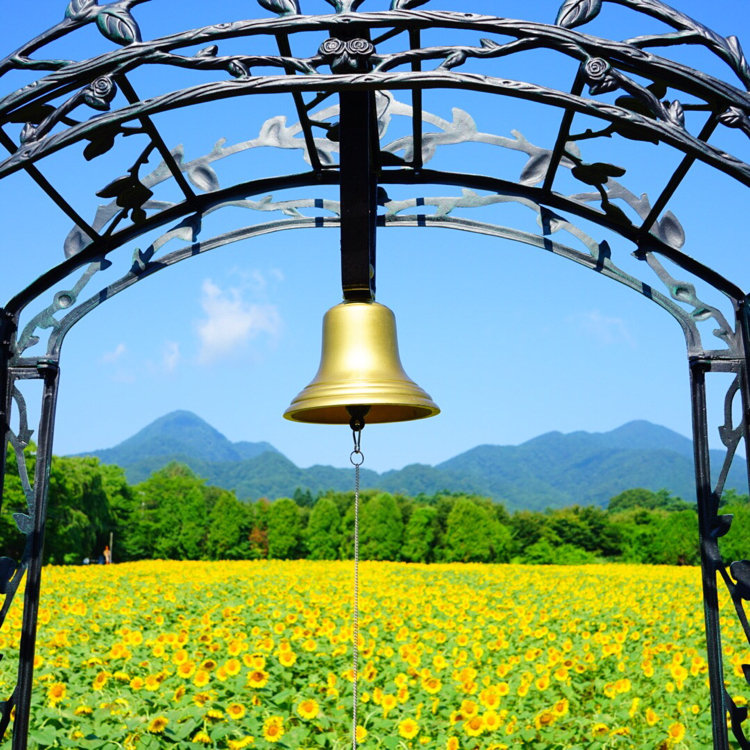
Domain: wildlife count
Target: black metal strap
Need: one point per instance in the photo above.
(358, 196)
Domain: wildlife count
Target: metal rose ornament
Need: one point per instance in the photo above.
(599, 76)
(350, 56)
(100, 93)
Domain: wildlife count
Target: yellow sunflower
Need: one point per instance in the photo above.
(273, 728)
(308, 709)
(408, 729)
(158, 724)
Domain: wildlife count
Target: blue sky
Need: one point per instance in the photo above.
(510, 341)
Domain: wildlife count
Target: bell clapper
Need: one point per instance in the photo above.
(357, 423)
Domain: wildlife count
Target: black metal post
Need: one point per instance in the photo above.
(358, 196)
(710, 557)
(743, 328)
(7, 328)
(48, 371)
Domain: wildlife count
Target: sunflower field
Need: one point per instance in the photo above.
(471, 657)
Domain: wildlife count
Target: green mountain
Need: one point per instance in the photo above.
(178, 436)
(552, 470)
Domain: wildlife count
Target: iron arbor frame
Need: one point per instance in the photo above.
(54, 113)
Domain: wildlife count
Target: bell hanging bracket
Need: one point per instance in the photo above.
(358, 182)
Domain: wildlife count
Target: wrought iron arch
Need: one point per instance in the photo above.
(48, 115)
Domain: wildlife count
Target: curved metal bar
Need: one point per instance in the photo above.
(574, 43)
(446, 222)
(203, 203)
(671, 134)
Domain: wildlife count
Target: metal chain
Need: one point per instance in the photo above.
(357, 458)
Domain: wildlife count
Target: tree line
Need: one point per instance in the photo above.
(175, 514)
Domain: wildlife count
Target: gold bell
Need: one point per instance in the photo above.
(360, 367)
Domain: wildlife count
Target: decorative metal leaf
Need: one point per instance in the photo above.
(535, 168)
(486, 43)
(746, 672)
(33, 113)
(671, 230)
(597, 173)
(75, 242)
(453, 60)
(406, 4)
(24, 523)
(78, 8)
(658, 89)
(209, 51)
(282, 7)
(633, 133)
(99, 144)
(118, 25)
(615, 213)
(129, 193)
(740, 571)
(238, 69)
(204, 177)
(634, 104)
(735, 50)
(722, 525)
(114, 188)
(574, 13)
(676, 114)
(27, 132)
(737, 714)
(732, 117)
(7, 568)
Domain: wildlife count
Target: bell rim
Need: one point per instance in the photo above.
(337, 414)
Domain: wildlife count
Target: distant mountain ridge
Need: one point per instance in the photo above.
(551, 470)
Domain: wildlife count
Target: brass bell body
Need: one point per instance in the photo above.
(360, 367)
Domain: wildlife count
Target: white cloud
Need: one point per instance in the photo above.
(603, 329)
(231, 322)
(114, 355)
(170, 356)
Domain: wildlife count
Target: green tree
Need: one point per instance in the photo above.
(123, 507)
(675, 540)
(473, 534)
(284, 530)
(259, 533)
(171, 519)
(79, 515)
(637, 529)
(588, 528)
(639, 497)
(381, 528)
(420, 535)
(529, 527)
(731, 497)
(230, 523)
(323, 536)
(303, 498)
